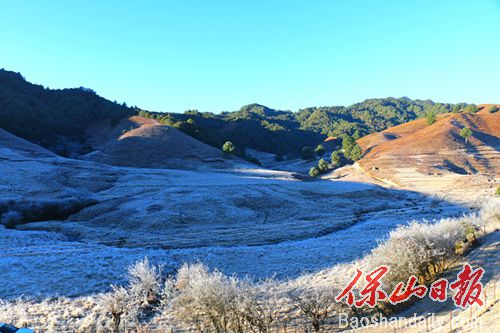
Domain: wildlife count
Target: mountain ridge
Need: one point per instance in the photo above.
(58, 119)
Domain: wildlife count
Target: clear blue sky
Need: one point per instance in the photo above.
(216, 55)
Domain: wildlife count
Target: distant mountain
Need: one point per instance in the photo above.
(284, 132)
(59, 119)
(51, 118)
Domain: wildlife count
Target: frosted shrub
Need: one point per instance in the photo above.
(207, 300)
(140, 295)
(168, 293)
(117, 303)
(145, 282)
(419, 249)
(490, 214)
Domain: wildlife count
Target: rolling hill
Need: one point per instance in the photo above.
(403, 153)
(141, 142)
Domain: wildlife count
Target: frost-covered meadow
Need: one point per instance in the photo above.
(71, 229)
(200, 297)
(246, 221)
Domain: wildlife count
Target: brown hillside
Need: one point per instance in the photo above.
(145, 143)
(437, 149)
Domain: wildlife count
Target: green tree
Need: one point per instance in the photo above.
(455, 108)
(352, 150)
(314, 172)
(320, 150)
(228, 147)
(465, 133)
(493, 109)
(431, 118)
(336, 158)
(356, 136)
(347, 142)
(307, 153)
(470, 109)
(355, 153)
(322, 165)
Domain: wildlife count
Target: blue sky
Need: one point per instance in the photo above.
(216, 55)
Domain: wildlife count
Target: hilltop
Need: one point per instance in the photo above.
(141, 142)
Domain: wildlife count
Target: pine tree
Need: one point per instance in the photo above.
(320, 150)
(322, 165)
(431, 118)
(313, 172)
(228, 147)
(336, 159)
(465, 133)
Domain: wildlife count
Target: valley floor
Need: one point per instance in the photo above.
(246, 221)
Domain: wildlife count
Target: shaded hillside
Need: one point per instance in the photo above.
(49, 117)
(10, 144)
(141, 142)
(435, 149)
(284, 132)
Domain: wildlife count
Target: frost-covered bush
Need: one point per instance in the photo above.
(142, 293)
(145, 282)
(207, 300)
(118, 303)
(489, 215)
(420, 249)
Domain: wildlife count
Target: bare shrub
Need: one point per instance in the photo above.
(262, 305)
(316, 304)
